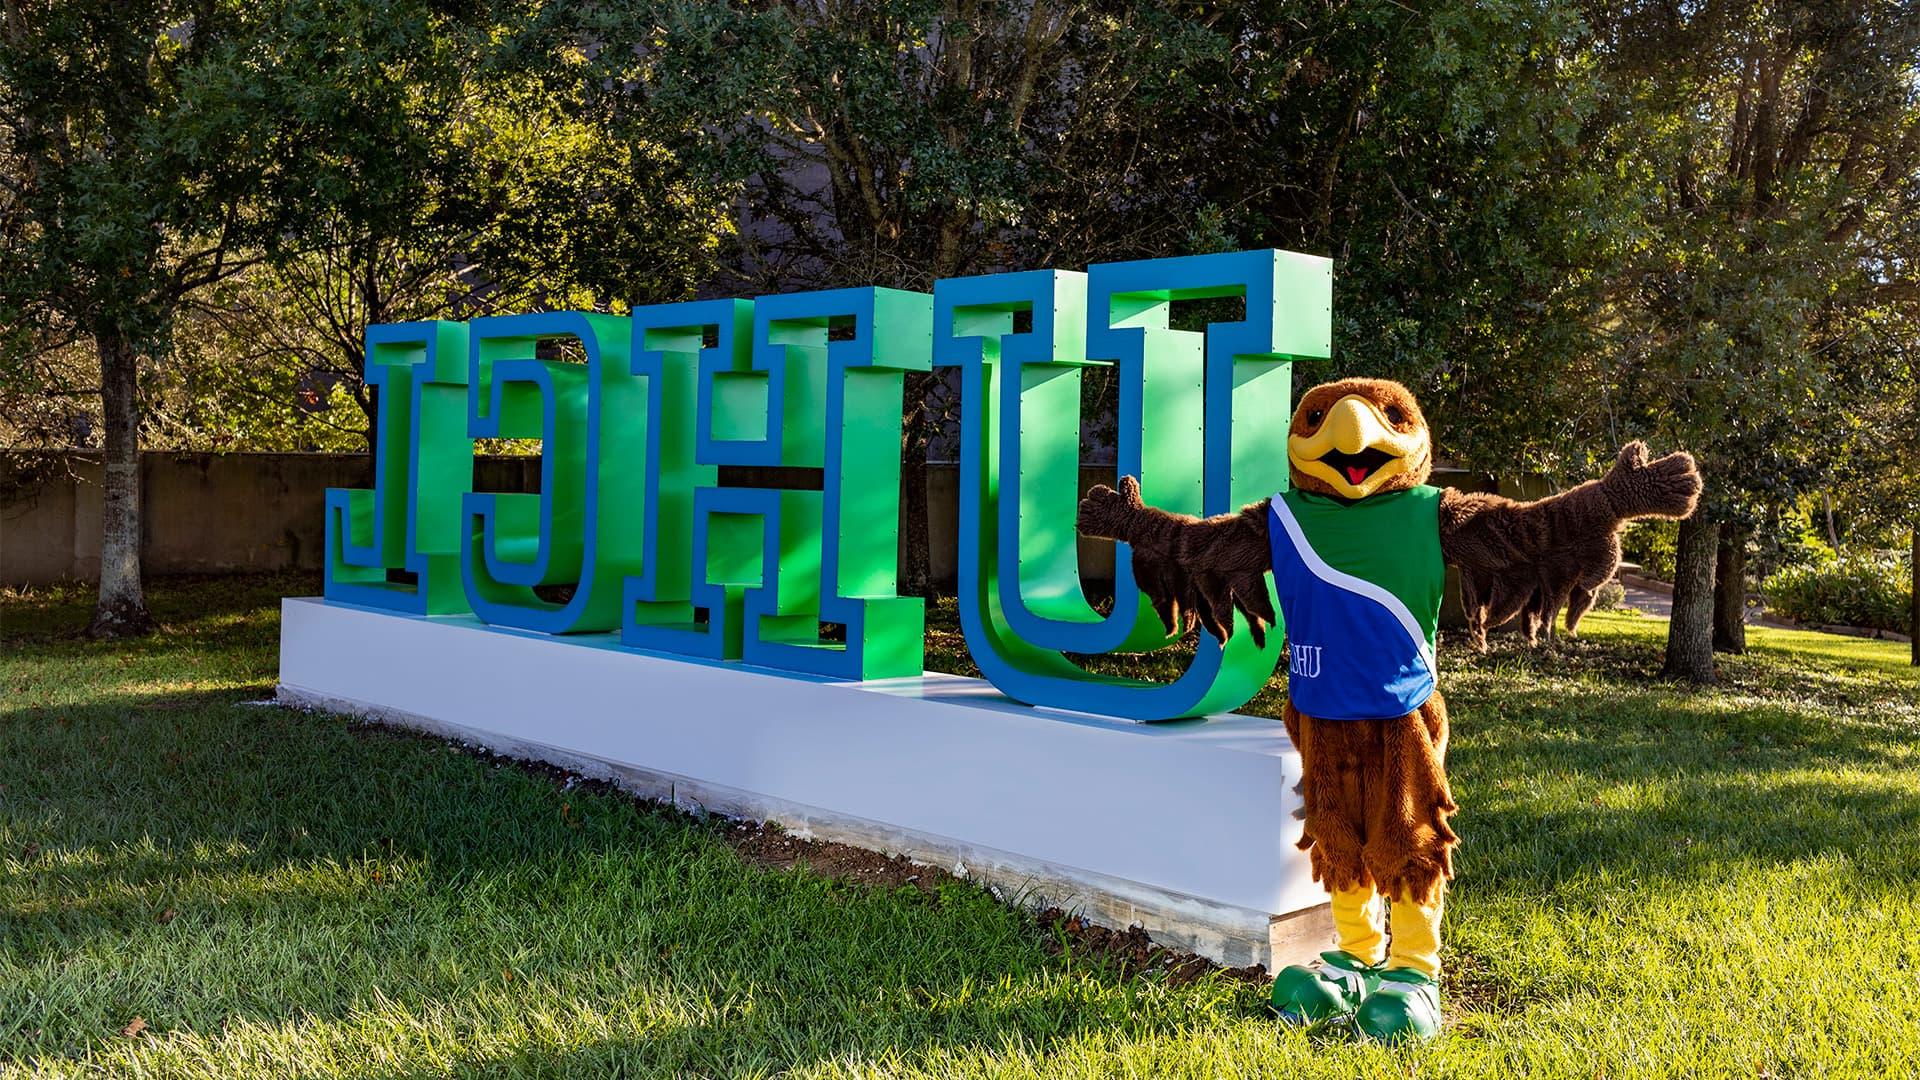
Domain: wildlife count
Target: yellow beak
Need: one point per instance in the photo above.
(1339, 451)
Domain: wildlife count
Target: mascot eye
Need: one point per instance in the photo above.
(1395, 416)
(1314, 416)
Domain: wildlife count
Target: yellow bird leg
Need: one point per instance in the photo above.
(1356, 921)
(1416, 935)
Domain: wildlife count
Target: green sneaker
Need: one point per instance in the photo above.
(1330, 988)
(1405, 1004)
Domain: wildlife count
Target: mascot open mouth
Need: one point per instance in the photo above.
(1356, 467)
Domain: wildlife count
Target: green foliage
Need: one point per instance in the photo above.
(1515, 192)
(1873, 591)
(237, 224)
(206, 397)
(49, 392)
(1652, 545)
(528, 203)
(1773, 146)
(1793, 535)
(1564, 224)
(1457, 166)
(1609, 597)
(150, 147)
(899, 141)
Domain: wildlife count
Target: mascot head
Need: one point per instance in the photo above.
(1358, 437)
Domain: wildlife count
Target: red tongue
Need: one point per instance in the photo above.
(1355, 474)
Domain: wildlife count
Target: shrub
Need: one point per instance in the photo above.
(1652, 544)
(1796, 540)
(1609, 597)
(1861, 590)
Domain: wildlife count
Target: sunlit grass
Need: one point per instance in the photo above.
(1656, 881)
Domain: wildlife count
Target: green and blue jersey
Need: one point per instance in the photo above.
(1360, 585)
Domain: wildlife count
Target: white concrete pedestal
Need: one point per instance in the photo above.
(1185, 828)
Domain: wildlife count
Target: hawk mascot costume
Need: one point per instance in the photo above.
(1358, 547)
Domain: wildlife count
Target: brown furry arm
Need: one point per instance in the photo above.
(1188, 566)
(1512, 554)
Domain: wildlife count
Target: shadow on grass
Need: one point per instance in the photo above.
(315, 869)
(1662, 786)
(201, 862)
(60, 613)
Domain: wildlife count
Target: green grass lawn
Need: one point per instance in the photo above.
(1654, 882)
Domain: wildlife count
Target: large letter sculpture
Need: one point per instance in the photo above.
(633, 515)
(584, 527)
(1180, 392)
(790, 562)
(423, 465)
(664, 600)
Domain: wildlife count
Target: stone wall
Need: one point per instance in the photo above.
(200, 513)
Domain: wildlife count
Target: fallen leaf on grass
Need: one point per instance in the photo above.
(134, 1028)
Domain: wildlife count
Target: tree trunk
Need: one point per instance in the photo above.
(122, 607)
(914, 436)
(913, 524)
(369, 401)
(1690, 632)
(1913, 583)
(1730, 592)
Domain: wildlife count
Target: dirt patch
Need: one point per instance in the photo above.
(1471, 987)
(1131, 951)
(766, 845)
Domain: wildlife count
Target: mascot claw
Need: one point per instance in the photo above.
(1108, 513)
(1667, 487)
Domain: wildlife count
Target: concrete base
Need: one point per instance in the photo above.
(1186, 828)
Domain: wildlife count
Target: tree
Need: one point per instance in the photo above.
(1457, 163)
(156, 147)
(525, 204)
(1879, 485)
(1690, 627)
(1784, 138)
(896, 142)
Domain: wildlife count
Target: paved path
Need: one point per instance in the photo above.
(1648, 602)
(1660, 605)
